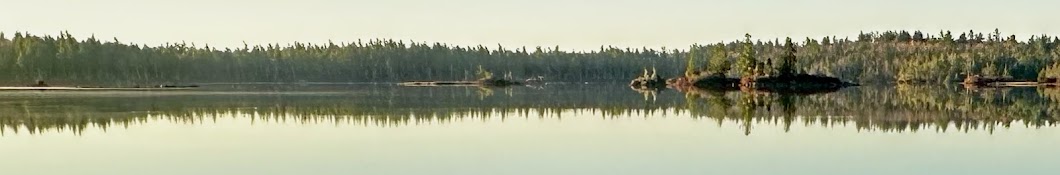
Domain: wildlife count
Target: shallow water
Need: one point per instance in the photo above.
(554, 129)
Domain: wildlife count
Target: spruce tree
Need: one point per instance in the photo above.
(746, 64)
(787, 65)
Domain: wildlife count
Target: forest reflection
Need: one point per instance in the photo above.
(877, 109)
(887, 109)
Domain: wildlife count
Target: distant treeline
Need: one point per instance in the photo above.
(892, 56)
(871, 57)
(67, 60)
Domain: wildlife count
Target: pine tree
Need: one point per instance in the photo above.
(787, 65)
(747, 63)
(690, 66)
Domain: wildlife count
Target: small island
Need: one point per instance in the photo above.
(648, 81)
(781, 76)
(486, 79)
(978, 81)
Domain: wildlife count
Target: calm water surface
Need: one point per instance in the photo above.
(554, 129)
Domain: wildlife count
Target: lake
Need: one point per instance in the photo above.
(550, 129)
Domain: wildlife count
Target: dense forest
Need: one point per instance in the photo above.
(878, 57)
(67, 60)
(891, 56)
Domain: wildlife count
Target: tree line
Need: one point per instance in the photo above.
(877, 57)
(64, 59)
(887, 57)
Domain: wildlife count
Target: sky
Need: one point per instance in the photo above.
(570, 24)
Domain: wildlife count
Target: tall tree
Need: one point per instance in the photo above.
(747, 63)
(787, 65)
(690, 66)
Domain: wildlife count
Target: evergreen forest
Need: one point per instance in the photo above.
(873, 57)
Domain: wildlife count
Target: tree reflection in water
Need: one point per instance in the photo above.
(880, 109)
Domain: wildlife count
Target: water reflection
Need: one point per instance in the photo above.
(899, 109)
(875, 109)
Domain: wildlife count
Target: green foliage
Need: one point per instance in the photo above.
(890, 56)
(747, 63)
(875, 57)
(690, 66)
(1052, 72)
(787, 63)
(719, 60)
(64, 60)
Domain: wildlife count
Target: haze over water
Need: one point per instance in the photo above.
(132, 87)
(553, 129)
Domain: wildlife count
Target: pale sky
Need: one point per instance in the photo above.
(571, 24)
